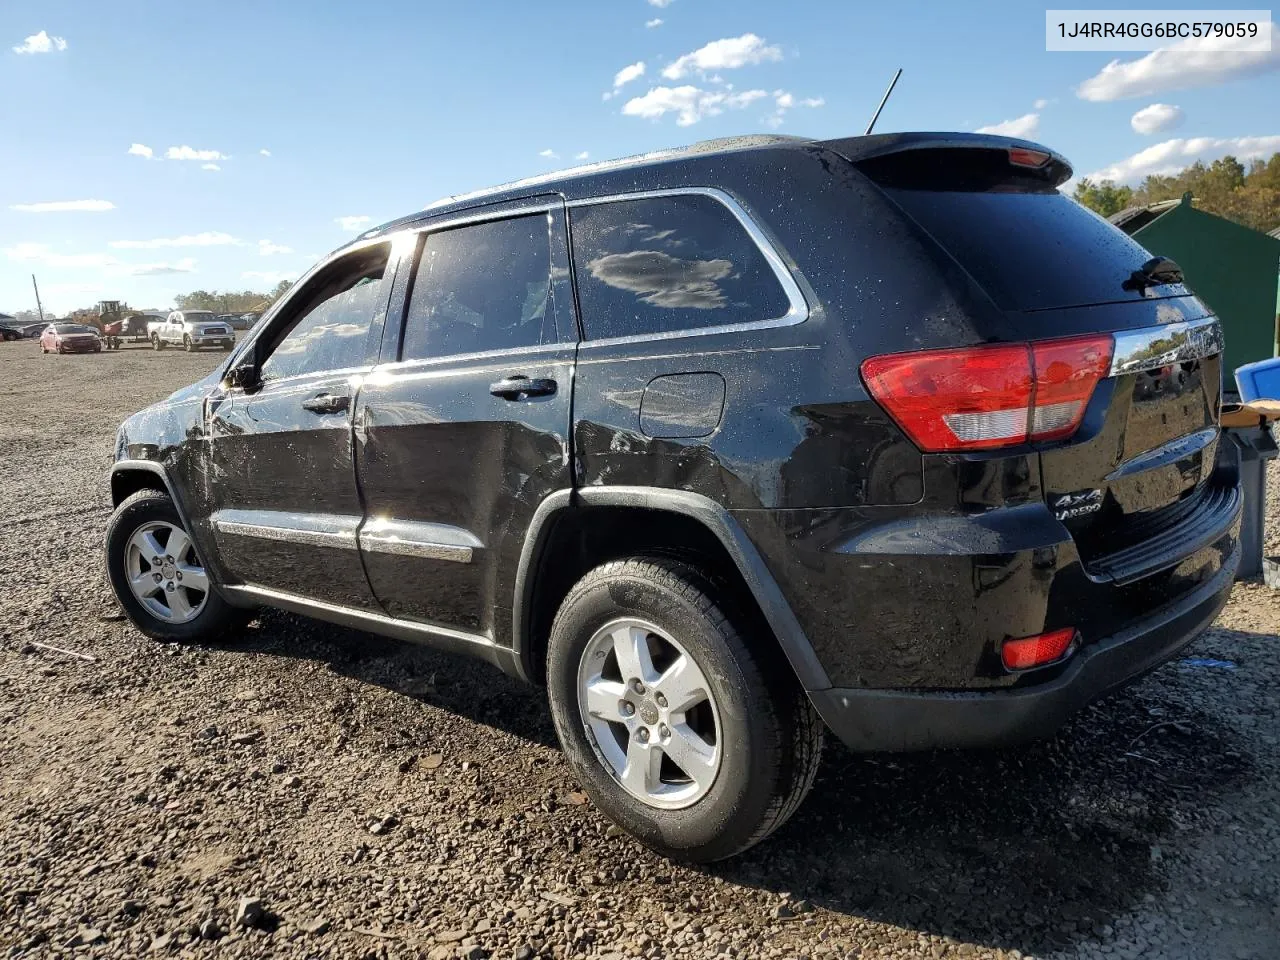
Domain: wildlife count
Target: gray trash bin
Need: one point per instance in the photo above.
(1256, 447)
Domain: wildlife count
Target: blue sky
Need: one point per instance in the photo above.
(373, 111)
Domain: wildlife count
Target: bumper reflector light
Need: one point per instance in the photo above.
(1044, 648)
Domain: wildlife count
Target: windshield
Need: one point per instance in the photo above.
(72, 328)
(196, 317)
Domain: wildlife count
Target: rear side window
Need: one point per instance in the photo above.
(482, 287)
(1029, 251)
(662, 264)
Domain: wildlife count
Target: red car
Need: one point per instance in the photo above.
(70, 338)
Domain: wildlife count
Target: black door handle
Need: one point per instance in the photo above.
(327, 403)
(519, 387)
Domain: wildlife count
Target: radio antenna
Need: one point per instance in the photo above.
(885, 99)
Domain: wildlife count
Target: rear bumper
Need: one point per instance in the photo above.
(901, 720)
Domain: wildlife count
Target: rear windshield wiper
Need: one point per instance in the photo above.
(1154, 273)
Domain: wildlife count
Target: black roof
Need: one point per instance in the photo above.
(633, 173)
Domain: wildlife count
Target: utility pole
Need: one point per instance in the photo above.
(37, 288)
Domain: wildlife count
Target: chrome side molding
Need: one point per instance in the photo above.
(309, 529)
(1153, 347)
(427, 541)
(406, 538)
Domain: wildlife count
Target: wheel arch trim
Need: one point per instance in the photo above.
(122, 467)
(746, 558)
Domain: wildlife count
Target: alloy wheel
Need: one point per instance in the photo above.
(164, 573)
(649, 713)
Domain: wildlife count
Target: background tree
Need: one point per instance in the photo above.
(1248, 197)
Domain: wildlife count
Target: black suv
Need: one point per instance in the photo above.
(721, 445)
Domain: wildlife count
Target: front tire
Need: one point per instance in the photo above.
(713, 748)
(188, 345)
(159, 581)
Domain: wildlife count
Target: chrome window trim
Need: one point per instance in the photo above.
(449, 360)
(466, 218)
(1192, 340)
(301, 379)
(798, 310)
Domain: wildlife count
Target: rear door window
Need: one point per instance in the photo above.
(663, 264)
(482, 287)
(1030, 250)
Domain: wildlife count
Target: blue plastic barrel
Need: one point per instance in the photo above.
(1259, 380)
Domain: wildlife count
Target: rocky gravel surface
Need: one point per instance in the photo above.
(308, 791)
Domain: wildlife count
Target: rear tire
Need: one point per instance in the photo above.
(156, 342)
(209, 617)
(767, 737)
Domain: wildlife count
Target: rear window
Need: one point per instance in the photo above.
(663, 264)
(1029, 251)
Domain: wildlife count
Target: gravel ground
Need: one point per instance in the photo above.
(314, 792)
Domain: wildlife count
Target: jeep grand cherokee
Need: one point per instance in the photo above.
(722, 445)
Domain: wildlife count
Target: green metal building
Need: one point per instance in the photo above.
(1235, 270)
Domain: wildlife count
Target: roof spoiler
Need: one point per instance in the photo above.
(877, 151)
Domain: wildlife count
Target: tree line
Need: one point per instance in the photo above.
(1248, 197)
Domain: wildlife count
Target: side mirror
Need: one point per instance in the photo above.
(243, 376)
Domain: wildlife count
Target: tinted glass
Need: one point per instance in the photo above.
(482, 287)
(669, 263)
(338, 307)
(1029, 251)
(73, 328)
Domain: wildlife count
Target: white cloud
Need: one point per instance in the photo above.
(1023, 126)
(209, 166)
(57, 206)
(549, 154)
(265, 152)
(351, 223)
(190, 153)
(44, 254)
(271, 277)
(140, 150)
(1156, 118)
(655, 22)
(41, 43)
(584, 155)
(1187, 64)
(690, 104)
(628, 73)
(726, 54)
(185, 265)
(1170, 156)
(660, 3)
(784, 101)
(206, 239)
(266, 248)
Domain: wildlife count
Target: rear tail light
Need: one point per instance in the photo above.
(1037, 651)
(982, 398)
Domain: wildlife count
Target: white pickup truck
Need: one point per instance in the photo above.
(191, 329)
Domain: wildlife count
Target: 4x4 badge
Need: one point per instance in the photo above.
(1078, 504)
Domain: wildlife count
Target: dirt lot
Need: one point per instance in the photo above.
(381, 800)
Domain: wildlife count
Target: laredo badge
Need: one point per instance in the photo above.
(1078, 504)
